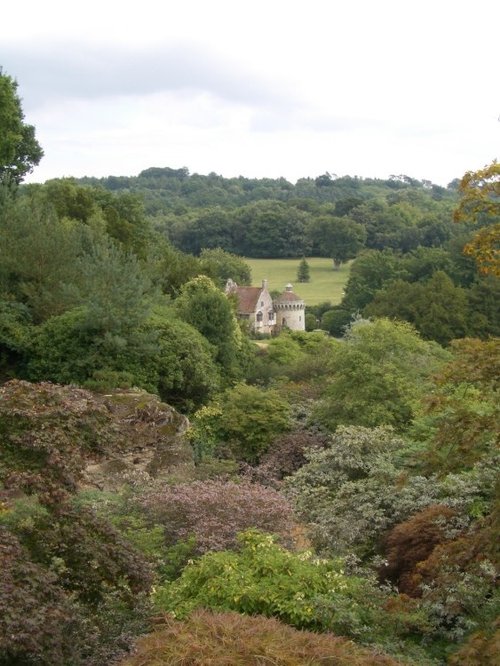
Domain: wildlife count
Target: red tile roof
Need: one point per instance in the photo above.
(247, 299)
(288, 296)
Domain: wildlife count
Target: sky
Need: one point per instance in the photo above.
(260, 88)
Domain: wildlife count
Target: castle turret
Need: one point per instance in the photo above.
(290, 310)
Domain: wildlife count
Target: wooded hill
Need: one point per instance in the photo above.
(331, 500)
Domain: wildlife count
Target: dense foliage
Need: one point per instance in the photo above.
(231, 639)
(369, 449)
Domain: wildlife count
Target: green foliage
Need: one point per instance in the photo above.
(378, 373)
(271, 229)
(38, 257)
(303, 271)
(19, 149)
(356, 462)
(207, 309)
(170, 268)
(114, 288)
(337, 237)
(352, 492)
(369, 273)
(310, 321)
(68, 349)
(15, 332)
(187, 375)
(305, 592)
(437, 309)
(221, 266)
(246, 420)
(262, 578)
(461, 418)
(336, 321)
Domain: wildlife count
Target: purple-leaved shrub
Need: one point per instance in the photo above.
(215, 511)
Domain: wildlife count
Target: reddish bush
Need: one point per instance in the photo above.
(229, 639)
(412, 542)
(215, 511)
(481, 649)
(37, 618)
(285, 456)
(46, 432)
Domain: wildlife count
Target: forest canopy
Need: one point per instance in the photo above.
(168, 477)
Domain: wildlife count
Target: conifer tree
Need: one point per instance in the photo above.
(303, 272)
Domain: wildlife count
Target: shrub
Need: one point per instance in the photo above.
(285, 456)
(46, 431)
(261, 578)
(213, 512)
(412, 542)
(296, 588)
(37, 619)
(229, 639)
(246, 420)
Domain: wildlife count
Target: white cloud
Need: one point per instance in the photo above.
(261, 88)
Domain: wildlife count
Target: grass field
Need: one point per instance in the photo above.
(325, 283)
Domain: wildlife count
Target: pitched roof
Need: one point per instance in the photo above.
(247, 298)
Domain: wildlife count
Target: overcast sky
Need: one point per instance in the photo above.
(260, 88)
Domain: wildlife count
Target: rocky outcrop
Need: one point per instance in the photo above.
(64, 436)
(154, 445)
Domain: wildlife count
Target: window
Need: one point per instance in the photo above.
(259, 316)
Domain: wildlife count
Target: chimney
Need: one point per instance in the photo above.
(264, 284)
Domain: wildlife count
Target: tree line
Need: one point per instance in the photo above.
(334, 499)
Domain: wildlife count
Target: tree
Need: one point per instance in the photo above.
(271, 229)
(370, 272)
(377, 375)
(20, 152)
(221, 265)
(303, 271)
(337, 237)
(246, 420)
(186, 373)
(206, 308)
(437, 308)
(480, 203)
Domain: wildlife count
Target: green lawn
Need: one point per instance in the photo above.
(325, 283)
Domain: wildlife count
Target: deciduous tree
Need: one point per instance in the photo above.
(20, 152)
(480, 203)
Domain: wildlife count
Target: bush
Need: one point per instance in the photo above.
(213, 512)
(245, 420)
(261, 578)
(286, 455)
(230, 639)
(412, 542)
(37, 619)
(47, 430)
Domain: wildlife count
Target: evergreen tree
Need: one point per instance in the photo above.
(303, 272)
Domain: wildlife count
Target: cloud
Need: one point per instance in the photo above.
(94, 71)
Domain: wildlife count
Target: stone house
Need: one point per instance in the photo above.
(265, 315)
